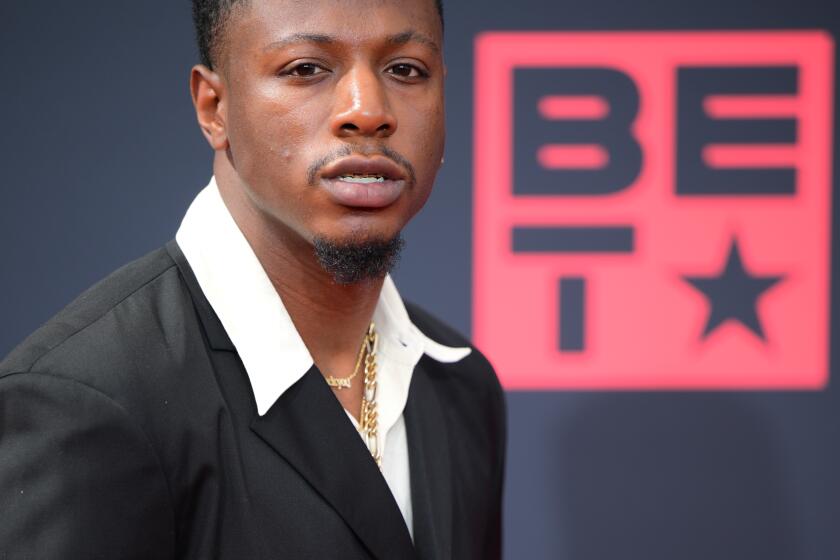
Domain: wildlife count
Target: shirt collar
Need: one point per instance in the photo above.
(255, 319)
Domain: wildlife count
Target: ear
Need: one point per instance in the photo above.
(208, 95)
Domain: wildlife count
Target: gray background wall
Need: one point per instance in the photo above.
(100, 156)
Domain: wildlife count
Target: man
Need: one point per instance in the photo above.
(257, 388)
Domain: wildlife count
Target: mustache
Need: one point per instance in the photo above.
(348, 150)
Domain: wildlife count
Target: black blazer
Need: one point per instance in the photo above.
(128, 429)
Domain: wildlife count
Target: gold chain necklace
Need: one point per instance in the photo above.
(369, 417)
(369, 421)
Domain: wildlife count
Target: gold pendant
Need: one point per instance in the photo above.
(338, 382)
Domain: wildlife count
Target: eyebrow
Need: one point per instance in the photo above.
(299, 38)
(411, 35)
(402, 38)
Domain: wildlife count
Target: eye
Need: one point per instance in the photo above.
(405, 70)
(304, 70)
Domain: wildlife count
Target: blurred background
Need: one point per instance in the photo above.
(625, 440)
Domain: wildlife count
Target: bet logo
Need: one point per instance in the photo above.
(653, 210)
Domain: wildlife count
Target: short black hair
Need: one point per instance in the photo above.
(210, 16)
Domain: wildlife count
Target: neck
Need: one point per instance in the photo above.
(331, 318)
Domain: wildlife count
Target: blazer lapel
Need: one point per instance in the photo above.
(310, 430)
(308, 427)
(428, 450)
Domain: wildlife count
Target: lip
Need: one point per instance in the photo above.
(364, 195)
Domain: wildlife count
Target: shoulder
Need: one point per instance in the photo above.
(435, 328)
(105, 325)
(444, 334)
(474, 406)
(474, 373)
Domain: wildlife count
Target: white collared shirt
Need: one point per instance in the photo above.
(255, 319)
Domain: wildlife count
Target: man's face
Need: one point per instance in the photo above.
(334, 112)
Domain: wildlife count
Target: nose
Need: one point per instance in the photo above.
(362, 107)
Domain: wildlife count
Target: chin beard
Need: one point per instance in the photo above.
(356, 260)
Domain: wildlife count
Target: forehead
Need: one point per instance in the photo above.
(261, 22)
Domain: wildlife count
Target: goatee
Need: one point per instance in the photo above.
(353, 261)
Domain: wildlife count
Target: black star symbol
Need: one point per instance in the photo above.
(733, 294)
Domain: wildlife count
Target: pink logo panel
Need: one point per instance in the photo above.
(653, 210)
